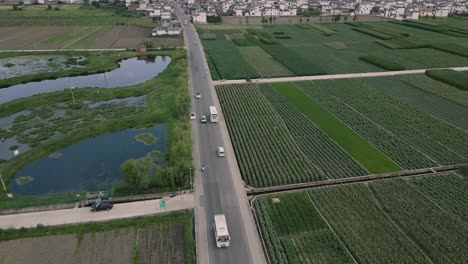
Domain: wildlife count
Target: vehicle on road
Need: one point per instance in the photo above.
(198, 96)
(203, 168)
(220, 151)
(194, 42)
(193, 116)
(185, 22)
(104, 204)
(203, 119)
(221, 231)
(213, 114)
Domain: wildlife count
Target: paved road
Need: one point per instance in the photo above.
(83, 215)
(334, 76)
(219, 190)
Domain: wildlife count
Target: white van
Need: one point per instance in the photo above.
(221, 152)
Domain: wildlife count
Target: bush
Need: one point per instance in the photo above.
(451, 77)
(382, 63)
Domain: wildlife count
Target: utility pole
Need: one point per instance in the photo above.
(73, 96)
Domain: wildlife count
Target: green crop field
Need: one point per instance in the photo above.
(419, 220)
(69, 15)
(313, 49)
(370, 157)
(410, 134)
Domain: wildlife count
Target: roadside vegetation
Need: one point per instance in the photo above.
(325, 225)
(167, 101)
(164, 238)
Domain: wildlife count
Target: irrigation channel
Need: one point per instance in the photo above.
(130, 72)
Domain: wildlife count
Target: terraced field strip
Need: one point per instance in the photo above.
(366, 154)
(89, 38)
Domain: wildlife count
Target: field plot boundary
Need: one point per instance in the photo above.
(333, 76)
(442, 170)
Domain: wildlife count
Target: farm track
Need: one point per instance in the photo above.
(253, 192)
(333, 76)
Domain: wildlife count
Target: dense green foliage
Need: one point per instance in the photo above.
(451, 77)
(382, 63)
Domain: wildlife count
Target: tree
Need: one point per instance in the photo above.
(270, 19)
(136, 173)
(354, 18)
(427, 16)
(289, 21)
(274, 20)
(346, 18)
(337, 18)
(320, 19)
(149, 44)
(307, 19)
(300, 19)
(433, 16)
(49, 7)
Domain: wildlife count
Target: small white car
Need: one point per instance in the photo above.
(220, 151)
(198, 96)
(203, 119)
(193, 116)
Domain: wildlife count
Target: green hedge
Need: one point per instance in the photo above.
(373, 33)
(382, 63)
(451, 48)
(402, 43)
(244, 42)
(450, 77)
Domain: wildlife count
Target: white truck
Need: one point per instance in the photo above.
(221, 231)
(185, 22)
(213, 114)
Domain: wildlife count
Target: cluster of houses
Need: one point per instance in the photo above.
(162, 12)
(202, 10)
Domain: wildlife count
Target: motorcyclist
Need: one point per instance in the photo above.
(203, 167)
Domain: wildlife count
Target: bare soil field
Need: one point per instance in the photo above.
(59, 37)
(50, 249)
(115, 246)
(162, 244)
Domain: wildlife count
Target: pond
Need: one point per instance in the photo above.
(131, 71)
(90, 165)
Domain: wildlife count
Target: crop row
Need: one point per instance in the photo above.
(332, 160)
(435, 139)
(400, 152)
(265, 65)
(383, 63)
(440, 89)
(266, 152)
(442, 238)
(434, 105)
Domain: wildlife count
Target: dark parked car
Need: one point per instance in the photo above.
(102, 205)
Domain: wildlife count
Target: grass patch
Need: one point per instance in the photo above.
(451, 48)
(366, 154)
(243, 42)
(322, 29)
(451, 77)
(146, 138)
(24, 180)
(382, 63)
(209, 36)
